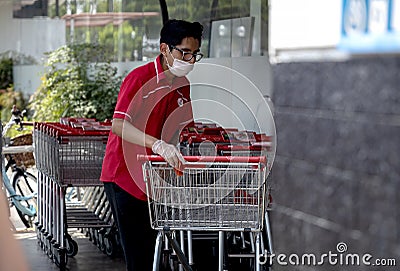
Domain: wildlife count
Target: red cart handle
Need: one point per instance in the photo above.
(218, 159)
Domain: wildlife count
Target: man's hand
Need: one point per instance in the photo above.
(170, 154)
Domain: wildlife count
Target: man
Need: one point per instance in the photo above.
(152, 107)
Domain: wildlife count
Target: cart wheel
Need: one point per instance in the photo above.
(38, 235)
(179, 254)
(164, 263)
(174, 262)
(42, 243)
(110, 246)
(72, 247)
(93, 233)
(49, 247)
(39, 238)
(61, 259)
(101, 245)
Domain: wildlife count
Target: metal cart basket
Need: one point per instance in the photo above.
(213, 193)
(68, 157)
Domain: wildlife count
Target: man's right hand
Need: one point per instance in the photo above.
(170, 154)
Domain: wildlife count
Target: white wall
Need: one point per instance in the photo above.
(38, 35)
(232, 92)
(27, 78)
(30, 37)
(304, 24)
(7, 28)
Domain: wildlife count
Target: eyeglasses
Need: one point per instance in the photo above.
(187, 56)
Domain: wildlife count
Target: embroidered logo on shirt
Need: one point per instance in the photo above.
(180, 102)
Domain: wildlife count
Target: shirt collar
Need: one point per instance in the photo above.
(159, 69)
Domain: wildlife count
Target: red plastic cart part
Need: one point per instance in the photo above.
(220, 147)
(63, 133)
(65, 130)
(205, 159)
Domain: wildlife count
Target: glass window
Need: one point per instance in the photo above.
(29, 9)
(229, 25)
(130, 29)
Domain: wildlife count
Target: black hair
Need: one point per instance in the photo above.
(174, 31)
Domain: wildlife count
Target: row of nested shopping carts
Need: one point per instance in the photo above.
(222, 194)
(69, 157)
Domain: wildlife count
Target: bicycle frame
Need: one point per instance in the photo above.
(12, 194)
(16, 199)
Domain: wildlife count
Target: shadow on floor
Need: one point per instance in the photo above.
(89, 257)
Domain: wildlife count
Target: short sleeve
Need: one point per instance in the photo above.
(130, 92)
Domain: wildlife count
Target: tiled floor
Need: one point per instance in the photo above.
(89, 257)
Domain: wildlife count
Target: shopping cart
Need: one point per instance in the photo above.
(68, 156)
(213, 194)
(209, 139)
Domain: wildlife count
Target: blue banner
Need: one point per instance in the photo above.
(370, 26)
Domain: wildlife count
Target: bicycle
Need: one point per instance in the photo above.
(22, 186)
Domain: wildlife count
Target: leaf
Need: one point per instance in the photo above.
(79, 81)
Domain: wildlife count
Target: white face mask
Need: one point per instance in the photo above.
(179, 67)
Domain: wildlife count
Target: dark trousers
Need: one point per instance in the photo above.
(132, 218)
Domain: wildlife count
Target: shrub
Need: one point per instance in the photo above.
(79, 82)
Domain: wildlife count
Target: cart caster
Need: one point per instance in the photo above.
(171, 263)
(40, 241)
(71, 246)
(164, 263)
(38, 231)
(101, 245)
(87, 234)
(55, 248)
(94, 236)
(180, 257)
(110, 246)
(174, 262)
(49, 246)
(61, 259)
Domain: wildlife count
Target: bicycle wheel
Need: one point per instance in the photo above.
(25, 184)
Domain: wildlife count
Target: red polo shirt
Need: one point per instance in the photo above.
(152, 105)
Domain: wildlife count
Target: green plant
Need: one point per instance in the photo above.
(8, 98)
(6, 73)
(79, 82)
